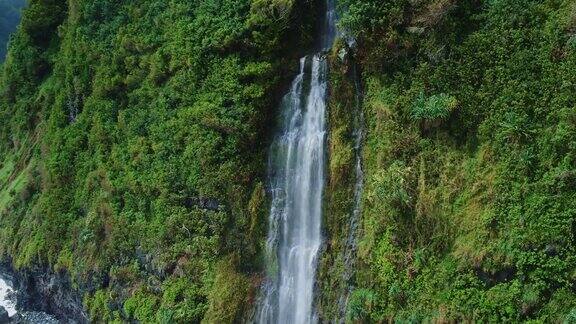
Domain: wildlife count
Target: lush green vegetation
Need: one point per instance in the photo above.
(9, 18)
(470, 198)
(339, 191)
(133, 153)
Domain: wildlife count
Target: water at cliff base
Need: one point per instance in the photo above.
(8, 301)
(5, 299)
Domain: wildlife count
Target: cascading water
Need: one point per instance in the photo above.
(297, 167)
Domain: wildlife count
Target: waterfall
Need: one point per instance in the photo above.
(297, 176)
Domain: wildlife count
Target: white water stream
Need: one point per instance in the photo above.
(5, 300)
(297, 167)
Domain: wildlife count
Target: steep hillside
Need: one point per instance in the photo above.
(133, 158)
(133, 149)
(470, 198)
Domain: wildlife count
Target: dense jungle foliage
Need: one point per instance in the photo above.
(133, 152)
(133, 139)
(9, 18)
(470, 157)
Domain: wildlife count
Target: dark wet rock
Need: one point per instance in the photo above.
(51, 293)
(4, 318)
(551, 250)
(41, 291)
(12, 296)
(32, 318)
(209, 204)
(492, 278)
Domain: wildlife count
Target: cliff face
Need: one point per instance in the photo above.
(133, 139)
(43, 290)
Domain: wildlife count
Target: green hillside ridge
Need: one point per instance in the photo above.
(134, 139)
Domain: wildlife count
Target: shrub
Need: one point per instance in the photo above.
(228, 295)
(360, 305)
(436, 107)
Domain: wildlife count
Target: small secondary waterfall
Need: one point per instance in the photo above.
(351, 244)
(297, 175)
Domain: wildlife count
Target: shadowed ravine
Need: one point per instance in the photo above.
(297, 175)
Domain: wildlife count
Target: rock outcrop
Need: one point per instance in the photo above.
(43, 290)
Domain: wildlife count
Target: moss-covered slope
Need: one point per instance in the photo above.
(470, 198)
